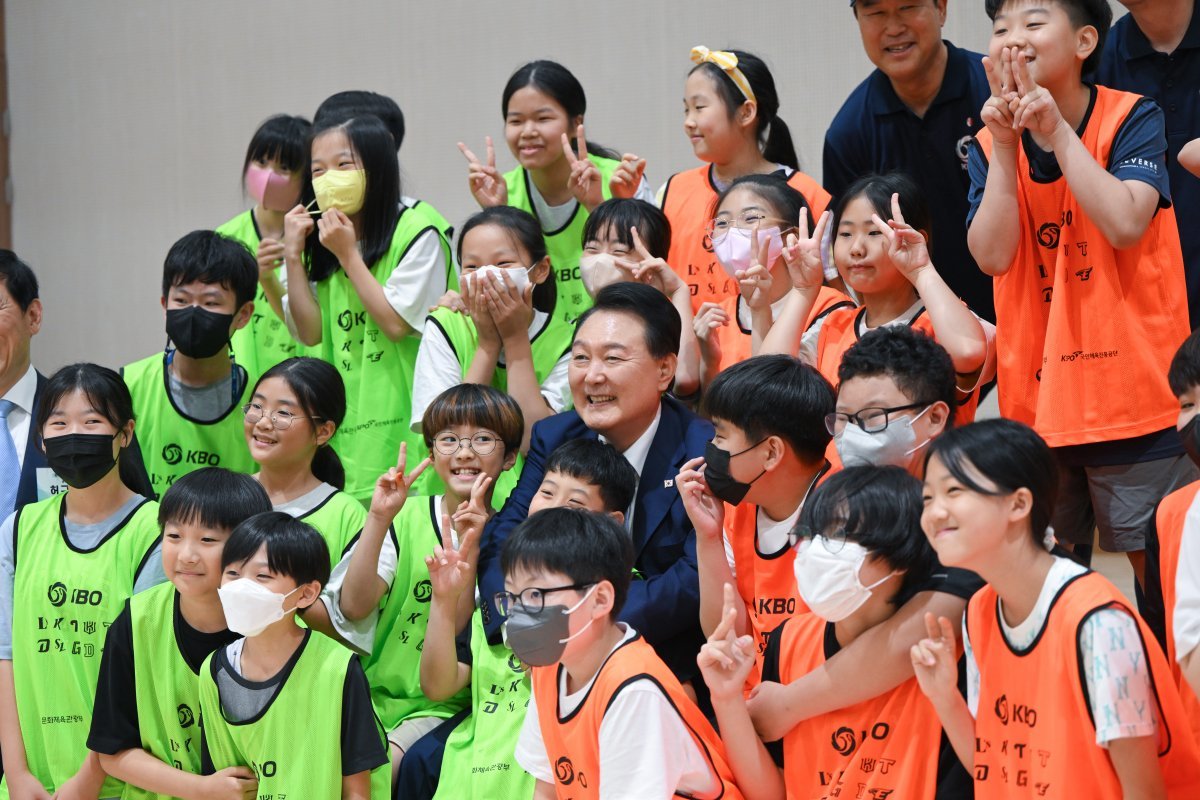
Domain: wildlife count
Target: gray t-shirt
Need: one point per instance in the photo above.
(203, 403)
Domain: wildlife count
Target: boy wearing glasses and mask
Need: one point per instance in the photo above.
(744, 496)
(185, 398)
(606, 716)
(473, 433)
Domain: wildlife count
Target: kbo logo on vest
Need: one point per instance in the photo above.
(58, 593)
(174, 454)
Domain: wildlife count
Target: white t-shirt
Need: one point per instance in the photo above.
(554, 218)
(437, 369)
(415, 285)
(1187, 585)
(646, 750)
(1114, 661)
(771, 537)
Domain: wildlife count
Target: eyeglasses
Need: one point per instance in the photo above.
(448, 444)
(719, 227)
(531, 600)
(835, 539)
(280, 420)
(871, 420)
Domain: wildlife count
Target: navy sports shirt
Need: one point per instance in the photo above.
(1130, 64)
(875, 132)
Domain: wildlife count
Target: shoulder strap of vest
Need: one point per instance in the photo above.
(16, 531)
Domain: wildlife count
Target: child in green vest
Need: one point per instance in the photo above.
(361, 279)
(67, 565)
(473, 433)
(145, 722)
(294, 412)
(478, 758)
(276, 160)
(187, 397)
(509, 336)
(289, 703)
(560, 177)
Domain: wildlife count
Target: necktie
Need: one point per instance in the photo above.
(10, 467)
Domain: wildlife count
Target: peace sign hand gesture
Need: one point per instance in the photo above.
(449, 571)
(935, 660)
(997, 113)
(627, 176)
(906, 245)
(584, 181)
(802, 253)
(487, 184)
(726, 659)
(393, 486)
(755, 283)
(649, 269)
(1036, 109)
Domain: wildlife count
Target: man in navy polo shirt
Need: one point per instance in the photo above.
(916, 113)
(1155, 50)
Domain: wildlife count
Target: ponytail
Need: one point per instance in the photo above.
(778, 146)
(321, 393)
(327, 467)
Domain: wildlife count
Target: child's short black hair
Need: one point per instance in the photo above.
(294, 549)
(597, 463)
(18, 279)
(475, 404)
(209, 257)
(213, 497)
(774, 395)
(880, 509)
(617, 215)
(586, 546)
(1184, 372)
(343, 106)
(919, 366)
(1097, 13)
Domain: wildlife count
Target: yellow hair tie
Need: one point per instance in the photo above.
(728, 63)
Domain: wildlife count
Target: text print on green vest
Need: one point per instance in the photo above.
(565, 245)
(378, 372)
(168, 691)
(64, 599)
(173, 443)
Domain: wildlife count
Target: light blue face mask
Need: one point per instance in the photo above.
(892, 446)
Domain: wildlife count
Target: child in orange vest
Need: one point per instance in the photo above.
(1071, 212)
(886, 264)
(731, 118)
(745, 495)
(1068, 694)
(605, 714)
(752, 217)
(861, 553)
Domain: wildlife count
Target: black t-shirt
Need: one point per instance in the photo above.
(115, 725)
(362, 745)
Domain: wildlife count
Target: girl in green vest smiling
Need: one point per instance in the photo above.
(272, 172)
(293, 413)
(360, 280)
(560, 177)
(67, 566)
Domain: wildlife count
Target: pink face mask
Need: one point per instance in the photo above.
(274, 191)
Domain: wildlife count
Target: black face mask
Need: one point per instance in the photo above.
(1190, 434)
(80, 459)
(716, 474)
(198, 332)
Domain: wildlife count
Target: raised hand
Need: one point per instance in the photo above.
(451, 300)
(755, 283)
(935, 660)
(627, 176)
(584, 181)
(649, 269)
(450, 574)
(269, 256)
(706, 512)
(709, 317)
(471, 516)
(391, 490)
(487, 184)
(1036, 109)
(511, 308)
(906, 245)
(297, 225)
(802, 253)
(997, 113)
(474, 299)
(726, 659)
(336, 234)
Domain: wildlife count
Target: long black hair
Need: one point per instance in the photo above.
(283, 139)
(374, 149)
(774, 138)
(556, 82)
(321, 393)
(109, 396)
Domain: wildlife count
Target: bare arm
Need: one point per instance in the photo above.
(992, 237)
(802, 255)
(362, 588)
(935, 662)
(357, 786)
(139, 768)
(1135, 761)
(442, 674)
(707, 514)
(544, 791)
(12, 744)
(306, 314)
(687, 373)
(370, 292)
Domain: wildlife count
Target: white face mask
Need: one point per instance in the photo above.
(518, 275)
(893, 446)
(827, 577)
(250, 608)
(598, 270)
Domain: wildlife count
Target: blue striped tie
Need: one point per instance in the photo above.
(10, 467)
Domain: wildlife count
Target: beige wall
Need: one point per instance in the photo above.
(130, 118)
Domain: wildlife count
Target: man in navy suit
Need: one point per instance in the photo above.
(622, 363)
(20, 387)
